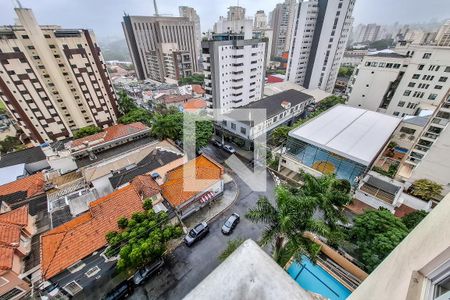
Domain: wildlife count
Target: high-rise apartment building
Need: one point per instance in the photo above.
(443, 35)
(145, 36)
(400, 82)
(371, 33)
(235, 22)
(282, 23)
(191, 14)
(53, 80)
(260, 20)
(234, 70)
(318, 42)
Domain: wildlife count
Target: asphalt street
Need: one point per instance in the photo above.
(189, 266)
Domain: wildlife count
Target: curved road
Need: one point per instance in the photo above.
(189, 266)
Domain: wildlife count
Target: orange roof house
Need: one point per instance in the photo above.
(205, 168)
(107, 135)
(195, 104)
(80, 237)
(16, 229)
(197, 89)
(31, 186)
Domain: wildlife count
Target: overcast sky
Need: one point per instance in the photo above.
(104, 16)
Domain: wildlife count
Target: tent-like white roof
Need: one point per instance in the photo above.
(354, 133)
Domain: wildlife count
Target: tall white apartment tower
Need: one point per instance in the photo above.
(191, 14)
(234, 70)
(320, 34)
(235, 22)
(53, 80)
(260, 20)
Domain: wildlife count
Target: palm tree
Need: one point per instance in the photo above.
(294, 215)
(286, 224)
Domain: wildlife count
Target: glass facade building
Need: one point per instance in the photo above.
(325, 161)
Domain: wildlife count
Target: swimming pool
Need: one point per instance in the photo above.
(315, 279)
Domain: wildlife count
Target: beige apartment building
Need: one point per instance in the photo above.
(149, 38)
(53, 80)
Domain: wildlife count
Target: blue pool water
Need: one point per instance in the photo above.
(315, 279)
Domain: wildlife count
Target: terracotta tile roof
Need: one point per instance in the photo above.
(169, 99)
(9, 235)
(78, 238)
(146, 186)
(205, 168)
(18, 216)
(6, 258)
(195, 104)
(110, 134)
(197, 88)
(33, 185)
(11, 224)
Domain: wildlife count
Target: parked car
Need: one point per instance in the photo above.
(121, 291)
(230, 224)
(217, 143)
(229, 149)
(146, 272)
(196, 233)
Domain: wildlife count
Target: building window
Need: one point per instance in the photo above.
(443, 79)
(224, 122)
(12, 293)
(416, 76)
(407, 93)
(421, 67)
(426, 55)
(447, 69)
(233, 126)
(73, 288)
(411, 84)
(79, 264)
(396, 113)
(92, 271)
(438, 87)
(407, 130)
(401, 104)
(243, 130)
(432, 97)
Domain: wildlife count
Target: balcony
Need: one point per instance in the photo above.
(237, 101)
(237, 87)
(237, 72)
(237, 80)
(236, 95)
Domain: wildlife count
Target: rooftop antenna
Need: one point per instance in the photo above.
(18, 4)
(156, 8)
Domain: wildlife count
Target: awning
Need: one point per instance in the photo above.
(206, 197)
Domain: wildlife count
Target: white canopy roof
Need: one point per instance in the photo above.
(354, 133)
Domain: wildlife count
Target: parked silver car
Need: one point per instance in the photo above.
(230, 224)
(196, 233)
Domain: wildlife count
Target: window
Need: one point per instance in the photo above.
(432, 97)
(438, 87)
(76, 267)
(73, 288)
(233, 126)
(401, 104)
(443, 79)
(407, 130)
(411, 84)
(426, 55)
(416, 76)
(12, 293)
(407, 93)
(421, 67)
(396, 113)
(243, 130)
(447, 69)
(92, 271)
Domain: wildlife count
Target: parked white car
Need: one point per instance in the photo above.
(229, 149)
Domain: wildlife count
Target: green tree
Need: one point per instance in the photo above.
(345, 71)
(144, 239)
(126, 103)
(194, 79)
(412, 219)
(168, 126)
(136, 115)
(426, 189)
(279, 135)
(286, 224)
(376, 233)
(86, 131)
(231, 246)
(10, 144)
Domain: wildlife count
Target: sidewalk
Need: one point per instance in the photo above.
(207, 213)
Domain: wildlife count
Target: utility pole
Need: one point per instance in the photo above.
(156, 8)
